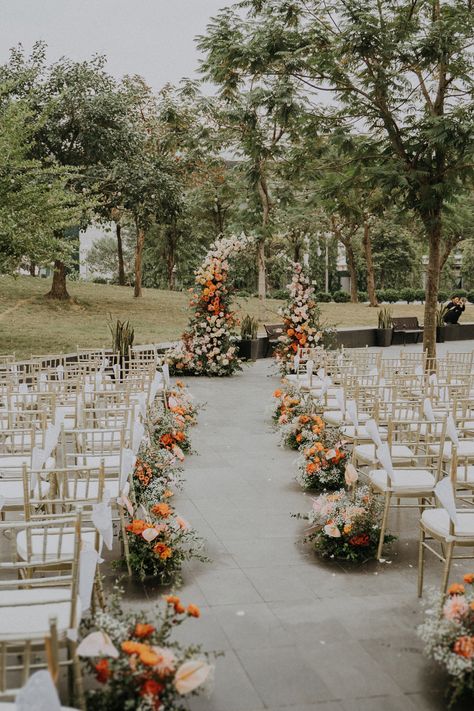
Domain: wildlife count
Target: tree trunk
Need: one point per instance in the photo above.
(170, 257)
(351, 263)
(58, 287)
(121, 265)
(139, 261)
(370, 265)
(262, 276)
(432, 284)
(262, 272)
(32, 269)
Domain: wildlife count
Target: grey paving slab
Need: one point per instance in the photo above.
(299, 634)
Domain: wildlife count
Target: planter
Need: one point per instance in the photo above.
(262, 346)
(248, 349)
(440, 334)
(383, 337)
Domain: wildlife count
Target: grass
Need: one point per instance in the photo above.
(31, 324)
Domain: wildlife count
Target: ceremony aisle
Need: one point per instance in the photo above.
(296, 633)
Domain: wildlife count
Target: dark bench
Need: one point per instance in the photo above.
(274, 331)
(407, 325)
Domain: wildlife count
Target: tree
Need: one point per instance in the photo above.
(35, 203)
(257, 113)
(82, 121)
(403, 71)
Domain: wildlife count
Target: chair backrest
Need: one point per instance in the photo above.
(22, 655)
(274, 330)
(405, 323)
(62, 491)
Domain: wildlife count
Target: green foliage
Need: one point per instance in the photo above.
(420, 295)
(363, 296)
(470, 297)
(408, 294)
(123, 336)
(440, 313)
(341, 297)
(323, 297)
(248, 328)
(388, 295)
(442, 296)
(385, 317)
(459, 292)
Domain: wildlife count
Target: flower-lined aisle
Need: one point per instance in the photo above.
(159, 540)
(344, 519)
(131, 654)
(209, 347)
(135, 661)
(302, 320)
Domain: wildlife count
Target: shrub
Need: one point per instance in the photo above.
(459, 292)
(278, 294)
(323, 297)
(341, 297)
(442, 296)
(362, 296)
(470, 296)
(100, 280)
(408, 294)
(419, 295)
(388, 295)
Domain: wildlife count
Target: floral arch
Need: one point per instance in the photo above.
(208, 346)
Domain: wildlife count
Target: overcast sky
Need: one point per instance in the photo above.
(154, 38)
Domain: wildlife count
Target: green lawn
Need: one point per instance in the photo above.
(29, 323)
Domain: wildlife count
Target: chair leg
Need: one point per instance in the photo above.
(388, 497)
(421, 561)
(447, 566)
(126, 550)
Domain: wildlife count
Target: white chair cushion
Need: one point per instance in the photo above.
(29, 611)
(16, 462)
(465, 474)
(111, 461)
(12, 491)
(91, 488)
(424, 428)
(52, 545)
(437, 521)
(409, 480)
(464, 449)
(361, 432)
(366, 452)
(335, 417)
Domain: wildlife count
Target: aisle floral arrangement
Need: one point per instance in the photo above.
(303, 430)
(322, 464)
(302, 320)
(345, 525)
(209, 346)
(448, 634)
(136, 663)
(160, 541)
(291, 402)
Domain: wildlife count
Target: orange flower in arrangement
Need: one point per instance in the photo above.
(456, 589)
(162, 550)
(180, 436)
(180, 384)
(299, 437)
(347, 528)
(167, 440)
(168, 494)
(193, 611)
(102, 671)
(464, 646)
(151, 687)
(362, 540)
(131, 647)
(148, 657)
(277, 393)
(162, 510)
(137, 526)
(303, 419)
(143, 630)
(311, 467)
(469, 578)
(176, 602)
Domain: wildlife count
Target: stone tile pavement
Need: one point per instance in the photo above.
(298, 634)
